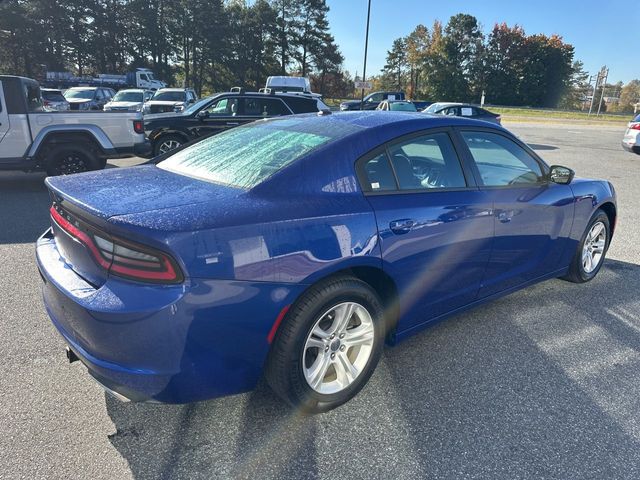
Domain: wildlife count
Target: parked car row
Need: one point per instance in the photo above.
(104, 98)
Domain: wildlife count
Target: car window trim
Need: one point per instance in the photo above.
(361, 174)
(468, 157)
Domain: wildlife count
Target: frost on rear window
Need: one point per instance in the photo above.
(245, 156)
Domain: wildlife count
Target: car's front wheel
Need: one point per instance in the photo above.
(328, 345)
(589, 256)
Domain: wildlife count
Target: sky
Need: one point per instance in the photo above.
(603, 32)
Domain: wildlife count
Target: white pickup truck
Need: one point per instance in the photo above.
(61, 142)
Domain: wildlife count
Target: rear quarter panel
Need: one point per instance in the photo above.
(117, 126)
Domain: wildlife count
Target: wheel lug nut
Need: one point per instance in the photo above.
(333, 335)
(342, 335)
(326, 349)
(342, 348)
(333, 355)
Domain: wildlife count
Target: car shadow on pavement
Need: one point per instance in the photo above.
(542, 383)
(24, 207)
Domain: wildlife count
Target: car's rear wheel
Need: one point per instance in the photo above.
(328, 345)
(69, 159)
(591, 251)
(167, 143)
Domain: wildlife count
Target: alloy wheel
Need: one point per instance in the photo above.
(167, 145)
(338, 348)
(594, 245)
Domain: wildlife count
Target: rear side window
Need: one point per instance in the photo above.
(427, 162)
(34, 100)
(304, 105)
(245, 156)
(264, 107)
(379, 174)
(501, 161)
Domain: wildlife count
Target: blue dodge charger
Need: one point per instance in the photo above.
(295, 248)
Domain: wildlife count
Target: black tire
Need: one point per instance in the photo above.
(284, 366)
(577, 273)
(68, 159)
(166, 139)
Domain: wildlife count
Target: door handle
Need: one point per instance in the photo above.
(402, 226)
(233, 123)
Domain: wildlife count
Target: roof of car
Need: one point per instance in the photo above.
(367, 119)
(173, 89)
(85, 88)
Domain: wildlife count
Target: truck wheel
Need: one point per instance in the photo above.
(166, 143)
(68, 159)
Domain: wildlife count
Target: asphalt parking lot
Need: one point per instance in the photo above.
(544, 383)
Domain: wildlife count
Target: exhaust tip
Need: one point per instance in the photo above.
(71, 356)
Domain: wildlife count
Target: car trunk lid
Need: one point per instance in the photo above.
(84, 203)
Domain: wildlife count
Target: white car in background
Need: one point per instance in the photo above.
(631, 140)
(129, 100)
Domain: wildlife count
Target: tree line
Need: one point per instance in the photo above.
(209, 45)
(458, 62)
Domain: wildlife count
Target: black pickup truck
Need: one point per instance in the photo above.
(371, 101)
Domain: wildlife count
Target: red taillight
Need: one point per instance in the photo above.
(634, 126)
(138, 126)
(121, 257)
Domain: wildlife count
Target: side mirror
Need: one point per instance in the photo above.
(561, 175)
(202, 114)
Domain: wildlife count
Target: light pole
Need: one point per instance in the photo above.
(366, 46)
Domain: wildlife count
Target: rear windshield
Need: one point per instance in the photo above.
(402, 107)
(245, 156)
(84, 94)
(169, 96)
(52, 96)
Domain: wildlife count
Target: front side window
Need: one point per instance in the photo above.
(427, 162)
(501, 161)
(245, 156)
(376, 97)
(223, 107)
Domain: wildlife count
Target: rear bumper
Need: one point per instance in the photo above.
(172, 344)
(631, 148)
